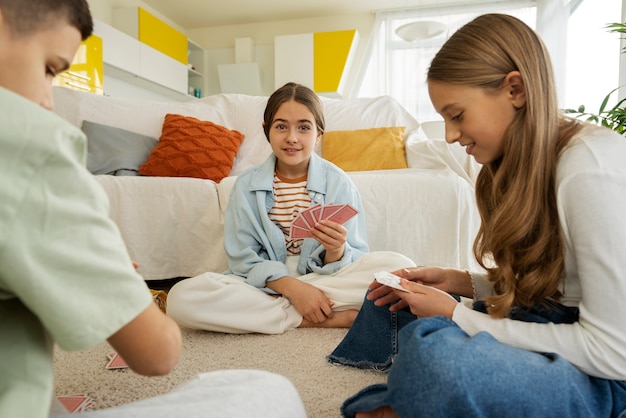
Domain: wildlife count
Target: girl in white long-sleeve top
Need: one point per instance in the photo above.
(545, 336)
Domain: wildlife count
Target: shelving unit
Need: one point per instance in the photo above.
(195, 68)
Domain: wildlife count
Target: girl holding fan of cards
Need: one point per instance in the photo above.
(313, 273)
(545, 335)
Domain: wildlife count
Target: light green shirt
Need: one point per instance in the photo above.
(65, 274)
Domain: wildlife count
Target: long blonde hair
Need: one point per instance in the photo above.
(519, 242)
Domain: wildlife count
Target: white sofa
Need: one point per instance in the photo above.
(173, 226)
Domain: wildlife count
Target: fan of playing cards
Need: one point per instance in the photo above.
(301, 226)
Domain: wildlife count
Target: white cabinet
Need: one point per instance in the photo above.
(162, 69)
(132, 61)
(119, 49)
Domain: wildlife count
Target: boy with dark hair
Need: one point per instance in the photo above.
(65, 275)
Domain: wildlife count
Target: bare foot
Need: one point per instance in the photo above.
(340, 319)
(382, 412)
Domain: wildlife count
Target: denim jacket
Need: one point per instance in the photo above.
(255, 246)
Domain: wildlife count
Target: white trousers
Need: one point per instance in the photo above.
(220, 394)
(226, 303)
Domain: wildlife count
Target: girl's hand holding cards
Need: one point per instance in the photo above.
(301, 226)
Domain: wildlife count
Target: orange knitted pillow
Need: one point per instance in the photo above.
(189, 147)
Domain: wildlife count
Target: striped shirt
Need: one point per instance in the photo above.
(290, 198)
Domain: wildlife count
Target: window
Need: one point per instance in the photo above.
(593, 54)
(592, 61)
(398, 68)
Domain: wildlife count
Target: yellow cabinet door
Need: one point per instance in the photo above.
(86, 72)
(162, 37)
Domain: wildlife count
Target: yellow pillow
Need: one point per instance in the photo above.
(366, 149)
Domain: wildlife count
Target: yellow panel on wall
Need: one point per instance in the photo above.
(162, 37)
(331, 53)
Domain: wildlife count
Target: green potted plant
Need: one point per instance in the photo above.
(615, 117)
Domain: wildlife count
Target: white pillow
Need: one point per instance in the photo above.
(437, 154)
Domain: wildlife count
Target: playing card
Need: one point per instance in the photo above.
(328, 210)
(116, 362)
(343, 214)
(308, 217)
(78, 402)
(299, 233)
(300, 222)
(85, 405)
(390, 280)
(316, 211)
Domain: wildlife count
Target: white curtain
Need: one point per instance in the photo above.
(552, 17)
(398, 68)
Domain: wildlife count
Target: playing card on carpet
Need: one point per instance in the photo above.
(116, 362)
(78, 402)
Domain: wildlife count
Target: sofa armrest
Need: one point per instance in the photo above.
(172, 226)
(428, 215)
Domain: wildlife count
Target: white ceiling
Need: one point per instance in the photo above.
(192, 14)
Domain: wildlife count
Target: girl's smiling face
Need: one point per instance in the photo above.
(292, 136)
(477, 118)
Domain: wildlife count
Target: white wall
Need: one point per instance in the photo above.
(101, 10)
(219, 41)
(622, 66)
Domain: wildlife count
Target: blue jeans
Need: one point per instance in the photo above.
(437, 370)
(372, 340)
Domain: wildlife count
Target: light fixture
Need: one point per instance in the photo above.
(423, 29)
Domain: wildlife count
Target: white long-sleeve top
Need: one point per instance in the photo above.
(591, 199)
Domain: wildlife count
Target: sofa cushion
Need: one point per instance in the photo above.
(115, 151)
(189, 147)
(366, 149)
(234, 111)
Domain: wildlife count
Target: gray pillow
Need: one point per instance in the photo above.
(115, 151)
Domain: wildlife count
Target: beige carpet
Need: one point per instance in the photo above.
(299, 355)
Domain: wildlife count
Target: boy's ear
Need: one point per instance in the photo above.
(517, 90)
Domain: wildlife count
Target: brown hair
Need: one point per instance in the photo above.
(298, 93)
(519, 242)
(25, 17)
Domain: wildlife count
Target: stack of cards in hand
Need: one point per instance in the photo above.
(301, 226)
(78, 402)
